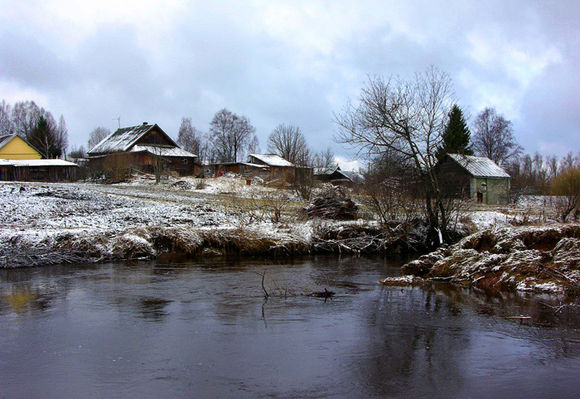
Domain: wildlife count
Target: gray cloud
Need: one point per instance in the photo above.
(520, 57)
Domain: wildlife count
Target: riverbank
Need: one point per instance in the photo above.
(44, 224)
(539, 259)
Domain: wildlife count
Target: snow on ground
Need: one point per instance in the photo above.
(487, 219)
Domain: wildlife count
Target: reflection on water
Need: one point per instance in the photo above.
(203, 329)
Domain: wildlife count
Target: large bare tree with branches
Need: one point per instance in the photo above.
(406, 118)
(494, 137)
(289, 142)
(231, 135)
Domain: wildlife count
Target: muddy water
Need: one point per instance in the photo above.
(203, 330)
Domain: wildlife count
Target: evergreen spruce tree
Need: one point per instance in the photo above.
(456, 136)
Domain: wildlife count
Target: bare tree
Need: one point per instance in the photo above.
(230, 135)
(494, 137)
(567, 185)
(77, 152)
(324, 159)
(406, 118)
(569, 161)
(61, 134)
(96, 136)
(189, 138)
(25, 115)
(289, 142)
(5, 119)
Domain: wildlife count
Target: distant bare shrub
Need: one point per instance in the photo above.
(567, 185)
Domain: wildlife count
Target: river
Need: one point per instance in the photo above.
(202, 329)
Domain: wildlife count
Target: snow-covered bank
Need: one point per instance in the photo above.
(529, 258)
(76, 223)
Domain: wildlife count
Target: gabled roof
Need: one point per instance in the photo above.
(479, 166)
(272, 160)
(123, 139)
(8, 138)
(325, 171)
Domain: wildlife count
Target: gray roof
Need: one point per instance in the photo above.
(123, 139)
(272, 160)
(479, 166)
(5, 139)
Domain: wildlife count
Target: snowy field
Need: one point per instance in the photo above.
(42, 215)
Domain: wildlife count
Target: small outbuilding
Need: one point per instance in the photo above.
(144, 147)
(45, 170)
(279, 167)
(245, 169)
(478, 178)
(337, 176)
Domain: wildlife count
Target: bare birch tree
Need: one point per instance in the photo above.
(406, 118)
(231, 135)
(494, 137)
(189, 138)
(5, 119)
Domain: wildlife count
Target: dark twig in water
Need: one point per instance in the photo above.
(322, 294)
(266, 295)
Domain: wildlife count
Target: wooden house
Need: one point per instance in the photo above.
(144, 147)
(337, 176)
(15, 147)
(478, 178)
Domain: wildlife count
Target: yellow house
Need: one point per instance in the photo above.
(16, 148)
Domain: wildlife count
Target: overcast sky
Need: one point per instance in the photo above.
(292, 62)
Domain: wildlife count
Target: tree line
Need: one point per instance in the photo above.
(36, 125)
(405, 127)
(231, 137)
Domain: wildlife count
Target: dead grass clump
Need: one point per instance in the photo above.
(176, 239)
(94, 247)
(132, 246)
(482, 241)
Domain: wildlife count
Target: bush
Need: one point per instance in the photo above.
(567, 185)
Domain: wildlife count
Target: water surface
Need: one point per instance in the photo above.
(203, 329)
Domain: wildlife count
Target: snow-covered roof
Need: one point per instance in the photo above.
(325, 171)
(36, 162)
(272, 159)
(122, 139)
(164, 151)
(5, 139)
(479, 166)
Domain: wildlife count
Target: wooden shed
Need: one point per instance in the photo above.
(478, 178)
(47, 170)
(279, 167)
